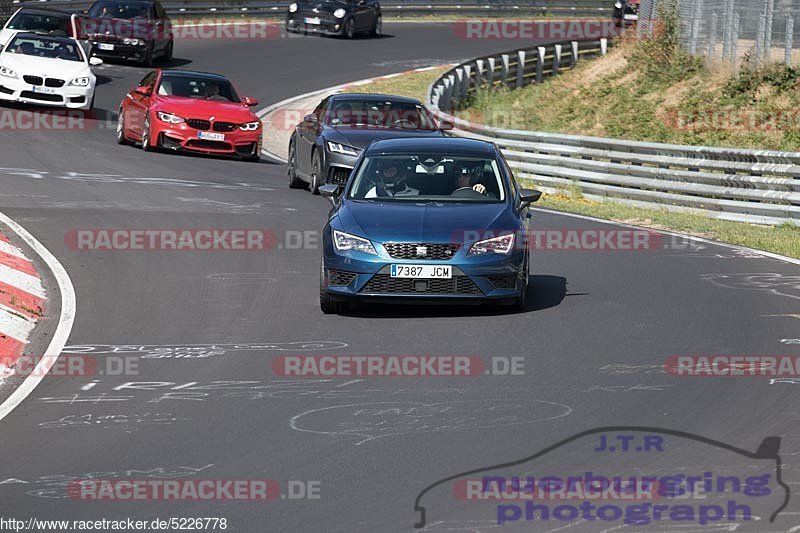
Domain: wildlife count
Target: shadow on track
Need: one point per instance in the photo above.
(545, 292)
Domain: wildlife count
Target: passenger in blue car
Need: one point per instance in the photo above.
(391, 181)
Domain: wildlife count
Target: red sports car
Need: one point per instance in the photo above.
(191, 111)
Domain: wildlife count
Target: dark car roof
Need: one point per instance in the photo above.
(426, 145)
(40, 11)
(193, 73)
(374, 97)
(148, 2)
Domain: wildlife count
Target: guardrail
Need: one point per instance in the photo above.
(205, 8)
(759, 186)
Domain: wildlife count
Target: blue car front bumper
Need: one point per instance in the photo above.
(361, 276)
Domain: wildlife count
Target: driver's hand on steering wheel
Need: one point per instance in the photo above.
(479, 188)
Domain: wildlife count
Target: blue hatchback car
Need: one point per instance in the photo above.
(425, 220)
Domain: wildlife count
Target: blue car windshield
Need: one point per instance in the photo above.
(434, 178)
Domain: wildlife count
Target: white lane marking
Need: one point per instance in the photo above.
(10, 249)
(21, 280)
(65, 319)
(15, 325)
(676, 234)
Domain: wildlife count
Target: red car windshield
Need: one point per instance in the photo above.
(202, 88)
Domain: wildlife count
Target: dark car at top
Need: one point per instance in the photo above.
(427, 220)
(324, 147)
(626, 12)
(133, 30)
(344, 18)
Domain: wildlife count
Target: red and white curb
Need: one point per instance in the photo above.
(22, 303)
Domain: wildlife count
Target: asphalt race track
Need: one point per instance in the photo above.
(593, 339)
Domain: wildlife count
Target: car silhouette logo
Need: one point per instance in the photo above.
(422, 251)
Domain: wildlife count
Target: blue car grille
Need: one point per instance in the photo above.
(385, 284)
(412, 250)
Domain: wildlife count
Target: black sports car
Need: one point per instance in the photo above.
(326, 144)
(137, 30)
(345, 18)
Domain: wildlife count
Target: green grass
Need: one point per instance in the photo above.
(411, 84)
(784, 240)
(624, 96)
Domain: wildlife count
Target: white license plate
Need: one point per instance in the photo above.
(211, 136)
(422, 271)
(312, 20)
(631, 17)
(44, 90)
(105, 46)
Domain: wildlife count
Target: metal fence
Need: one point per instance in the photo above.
(195, 8)
(730, 29)
(760, 186)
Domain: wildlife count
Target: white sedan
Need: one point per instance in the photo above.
(50, 71)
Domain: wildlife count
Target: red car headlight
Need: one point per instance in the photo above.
(250, 126)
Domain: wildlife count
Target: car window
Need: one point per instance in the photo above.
(428, 178)
(149, 79)
(45, 23)
(161, 12)
(511, 179)
(120, 10)
(44, 47)
(377, 113)
(319, 111)
(198, 87)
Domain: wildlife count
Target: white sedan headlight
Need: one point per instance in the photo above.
(7, 72)
(339, 148)
(250, 126)
(83, 81)
(497, 245)
(340, 13)
(344, 242)
(292, 7)
(169, 118)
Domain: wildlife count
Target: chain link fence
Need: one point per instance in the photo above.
(729, 30)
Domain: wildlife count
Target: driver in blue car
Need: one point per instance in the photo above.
(465, 178)
(391, 181)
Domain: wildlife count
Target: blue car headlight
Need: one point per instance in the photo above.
(344, 242)
(339, 148)
(496, 245)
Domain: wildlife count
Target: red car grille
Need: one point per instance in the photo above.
(203, 144)
(199, 124)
